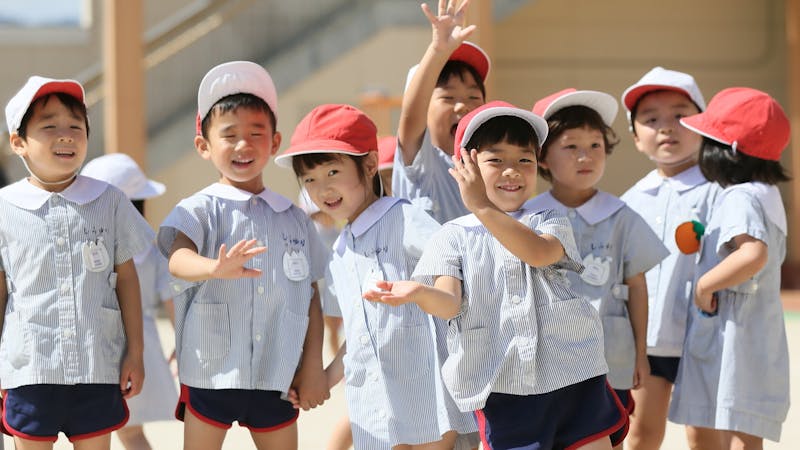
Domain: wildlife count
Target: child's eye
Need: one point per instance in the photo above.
(526, 160)
(596, 145)
(332, 172)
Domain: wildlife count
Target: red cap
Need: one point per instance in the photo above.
(478, 116)
(331, 129)
(386, 147)
(473, 55)
(748, 120)
(605, 105)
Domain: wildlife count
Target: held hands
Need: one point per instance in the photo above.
(470, 182)
(448, 26)
(131, 375)
(294, 398)
(309, 388)
(393, 293)
(230, 264)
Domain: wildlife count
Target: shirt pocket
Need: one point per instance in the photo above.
(207, 331)
(113, 337)
(703, 337)
(408, 354)
(16, 348)
(466, 367)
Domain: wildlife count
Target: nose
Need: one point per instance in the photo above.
(65, 137)
(511, 172)
(461, 109)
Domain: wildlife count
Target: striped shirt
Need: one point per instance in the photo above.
(58, 250)
(615, 244)
(246, 333)
(154, 279)
(521, 329)
(394, 388)
(664, 203)
(427, 182)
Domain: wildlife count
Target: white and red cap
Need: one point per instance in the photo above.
(605, 104)
(748, 120)
(386, 148)
(331, 128)
(661, 79)
(35, 88)
(468, 53)
(120, 170)
(235, 77)
(480, 115)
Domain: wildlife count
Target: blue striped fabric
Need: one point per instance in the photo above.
(246, 333)
(62, 321)
(522, 330)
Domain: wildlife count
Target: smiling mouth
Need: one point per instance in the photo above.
(453, 129)
(514, 188)
(64, 154)
(333, 204)
(241, 162)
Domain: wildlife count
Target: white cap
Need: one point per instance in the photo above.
(605, 105)
(33, 89)
(236, 77)
(661, 79)
(480, 115)
(120, 170)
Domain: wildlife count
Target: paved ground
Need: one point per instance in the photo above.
(315, 426)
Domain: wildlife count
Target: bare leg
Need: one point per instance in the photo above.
(283, 438)
(102, 442)
(734, 440)
(342, 436)
(198, 435)
(133, 438)
(332, 325)
(446, 443)
(597, 444)
(649, 419)
(703, 438)
(27, 444)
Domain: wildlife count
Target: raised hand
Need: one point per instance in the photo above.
(393, 293)
(230, 263)
(448, 26)
(470, 182)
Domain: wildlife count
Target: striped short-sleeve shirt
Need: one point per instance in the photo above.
(58, 251)
(246, 333)
(521, 329)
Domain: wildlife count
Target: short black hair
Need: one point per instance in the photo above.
(307, 161)
(512, 129)
(457, 69)
(571, 117)
(234, 102)
(73, 104)
(720, 164)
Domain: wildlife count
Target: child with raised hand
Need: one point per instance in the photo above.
(71, 346)
(158, 397)
(248, 321)
(734, 373)
(445, 85)
(617, 246)
(389, 361)
(525, 352)
(673, 194)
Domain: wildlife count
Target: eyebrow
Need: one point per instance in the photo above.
(681, 105)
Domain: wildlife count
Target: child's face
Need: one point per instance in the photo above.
(448, 104)
(55, 143)
(659, 134)
(576, 160)
(509, 174)
(240, 144)
(337, 187)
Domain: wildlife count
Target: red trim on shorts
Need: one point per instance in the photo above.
(623, 418)
(187, 405)
(631, 403)
(80, 437)
(7, 429)
(481, 419)
(272, 428)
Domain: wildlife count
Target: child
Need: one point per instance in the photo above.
(734, 374)
(526, 354)
(386, 149)
(159, 396)
(71, 347)
(244, 335)
(674, 193)
(618, 247)
(393, 386)
(445, 86)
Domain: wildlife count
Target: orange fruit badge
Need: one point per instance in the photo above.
(687, 236)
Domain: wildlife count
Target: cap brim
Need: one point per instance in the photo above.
(317, 146)
(150, 190)
(605, 104)
(698, 124)
(632, 95)
(537, 122)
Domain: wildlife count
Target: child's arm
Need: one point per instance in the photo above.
(448, 33)
(742, 264)
(533, 249)
(309, 382)
(185, 263)
(131, 374)
(442, 300)
(637, 312)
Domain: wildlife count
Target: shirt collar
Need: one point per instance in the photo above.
(681, 182)
(276, 201)
(25, 195)
(597, 209)
(367, 219)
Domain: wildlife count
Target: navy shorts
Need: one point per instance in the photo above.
(665, 367)
(259, 411)
(39, 412)
(626, 399)
(567, 418)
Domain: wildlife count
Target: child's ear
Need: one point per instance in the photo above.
(371, 164)
(202, 146)
(276, 142)
(17, 144)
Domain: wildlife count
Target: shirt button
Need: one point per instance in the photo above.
(68, 333)
(61, 241)
(258, 337)
(176, 288)
(65, 288)
(382, 414)
(571, 214)
(364, 339)
(253, 201)
(375, 376)
(261, 289)
(260, 243)
(615, 291)
(516, 300)
(659, 219)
